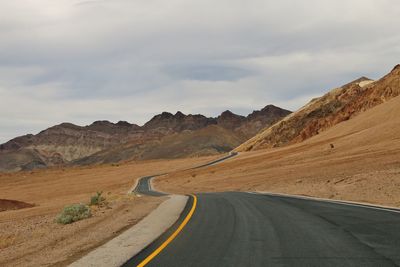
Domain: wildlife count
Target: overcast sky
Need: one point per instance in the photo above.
(81, 61)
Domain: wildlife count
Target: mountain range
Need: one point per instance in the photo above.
(166, 135)
(178, 135)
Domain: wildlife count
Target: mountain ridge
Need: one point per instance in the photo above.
(67, 143)
(338, 105)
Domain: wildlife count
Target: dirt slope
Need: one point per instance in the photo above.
(30, 237)
(338, 105)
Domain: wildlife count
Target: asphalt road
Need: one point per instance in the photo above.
(245, 229)
(144, 184)
(230, 155)
(144, 187)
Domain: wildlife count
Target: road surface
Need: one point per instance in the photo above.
(144, 184)
(144, 187)
(247, 229)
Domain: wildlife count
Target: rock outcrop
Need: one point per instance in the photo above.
(338, 105)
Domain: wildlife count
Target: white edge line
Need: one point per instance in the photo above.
(340, 202)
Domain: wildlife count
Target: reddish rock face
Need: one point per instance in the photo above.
(320, 114)
(103, 141)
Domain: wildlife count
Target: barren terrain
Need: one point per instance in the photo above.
(30, 237)
(356, 160)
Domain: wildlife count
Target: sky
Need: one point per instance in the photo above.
(81, 61)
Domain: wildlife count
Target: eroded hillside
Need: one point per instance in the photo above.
(338, 105)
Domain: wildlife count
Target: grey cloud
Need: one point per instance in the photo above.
(130, 59)
(207, 72)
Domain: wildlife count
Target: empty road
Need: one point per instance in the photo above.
(248, 229)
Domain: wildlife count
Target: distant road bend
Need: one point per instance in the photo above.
(144, 184)
(253, 229)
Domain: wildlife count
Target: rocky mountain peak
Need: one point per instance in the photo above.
(18, 142)
(356, 83)
(268, 113)
(179, 115)
(362, 79)
(273, 109)
(124, 124)
(396, 69)
(230, 120)
(227, 114)
(165, 115)
(102, 123)
(178, 122)
(66, 125)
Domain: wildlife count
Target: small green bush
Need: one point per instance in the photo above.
(73, 213)
(97, 199)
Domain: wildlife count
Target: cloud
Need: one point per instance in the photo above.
(207, 73)
(79, 61)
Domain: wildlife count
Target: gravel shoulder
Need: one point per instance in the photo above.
(30, 237)
(38, 241)
(120, 249)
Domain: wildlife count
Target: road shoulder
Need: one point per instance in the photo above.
(120, 249)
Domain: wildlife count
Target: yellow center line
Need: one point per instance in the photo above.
(172, 237)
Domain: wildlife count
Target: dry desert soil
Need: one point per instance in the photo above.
(29, 235)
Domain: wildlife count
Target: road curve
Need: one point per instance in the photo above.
(144, 187)
(247, 229)
(144, 184)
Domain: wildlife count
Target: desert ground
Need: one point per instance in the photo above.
(356, 160)
(30, 237)
(363, 164)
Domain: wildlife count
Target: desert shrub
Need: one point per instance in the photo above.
(97, 199)
(73, 213)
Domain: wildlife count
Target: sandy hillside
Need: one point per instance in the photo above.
(29, 236)
(363, 164)
(322, 113)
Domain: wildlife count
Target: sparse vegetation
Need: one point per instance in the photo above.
(97, 199)
(73, 213)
